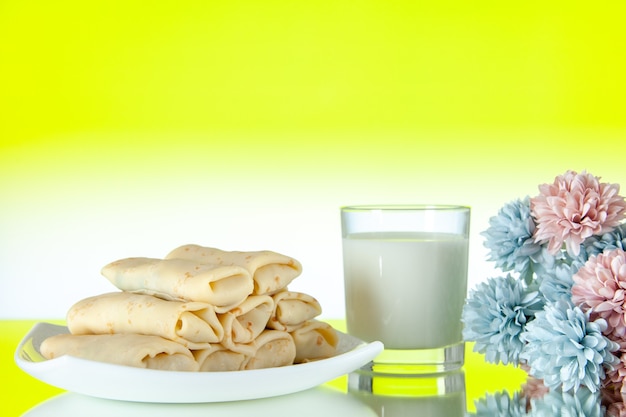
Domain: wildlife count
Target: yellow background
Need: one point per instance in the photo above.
(194, 87)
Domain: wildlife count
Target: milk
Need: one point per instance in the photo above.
(405, 289)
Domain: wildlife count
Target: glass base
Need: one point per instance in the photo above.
(426, 396)
(416, 362)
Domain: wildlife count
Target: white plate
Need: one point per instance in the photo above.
(119, 382)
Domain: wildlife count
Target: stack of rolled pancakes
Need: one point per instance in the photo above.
(198, 309)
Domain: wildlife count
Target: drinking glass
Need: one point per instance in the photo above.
(405, 277)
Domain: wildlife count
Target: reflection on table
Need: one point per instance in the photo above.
(368, 395)
(398, 396)
(310, 403)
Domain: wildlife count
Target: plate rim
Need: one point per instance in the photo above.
(308, 373)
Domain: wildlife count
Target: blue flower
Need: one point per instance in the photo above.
(582, 403)
(566, 349)
(556, 283)
(495, 315)
(510, 241)
(500, 404)
(594, 245)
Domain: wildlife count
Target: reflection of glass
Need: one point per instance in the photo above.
(310, 403)
(425, 396)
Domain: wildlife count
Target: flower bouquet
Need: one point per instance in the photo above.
(559, 312)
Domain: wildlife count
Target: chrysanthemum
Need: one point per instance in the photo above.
(573, 208)
(510, 241)
(582, 403)
(600, 286)
(616, 410)
(500, 404)
(556, 282)
(611, 393)
(495, 315)
(566, 349)
(615, 239)
(533, 388)
(614, 384)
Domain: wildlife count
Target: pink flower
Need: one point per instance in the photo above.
(613, 400)
(616, 410)
(533, 388)
(613, 384)
(573, 208)
(600, 286)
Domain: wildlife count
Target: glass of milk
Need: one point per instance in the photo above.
(405, 277)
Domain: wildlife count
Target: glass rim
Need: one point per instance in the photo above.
(405, 207)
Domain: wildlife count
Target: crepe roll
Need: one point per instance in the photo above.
(292, 309)
(218, 358)
(271, 271)
(273, 348)
(223, 286)
(245, 322)
(315, 340)
(140, 351)
(193, 324)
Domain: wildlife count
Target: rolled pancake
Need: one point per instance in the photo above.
(181, 279)
(273, 348)
(271, 271)
(135, 350)
(315, 340)
(192, 324)
(218, 358)
(246, 321)
(292, 309)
